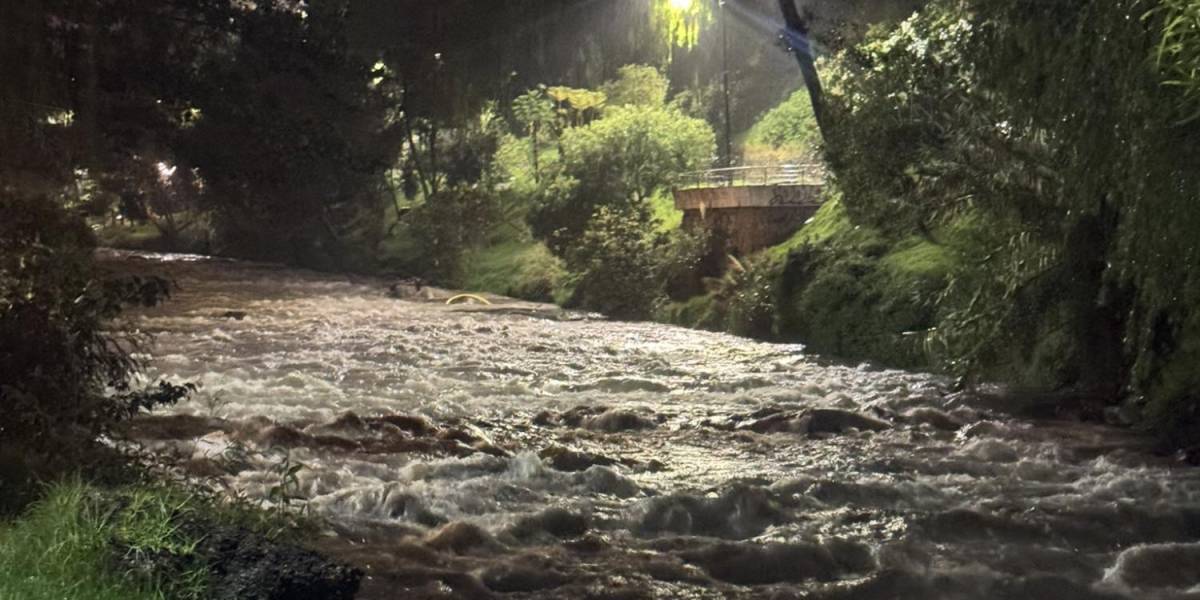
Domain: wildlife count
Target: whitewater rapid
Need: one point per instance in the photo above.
(517, 450)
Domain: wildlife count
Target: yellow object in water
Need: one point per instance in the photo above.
(464, 297)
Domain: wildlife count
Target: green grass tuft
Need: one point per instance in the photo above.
(61, 550)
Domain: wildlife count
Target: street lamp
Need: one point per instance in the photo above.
(725, 83)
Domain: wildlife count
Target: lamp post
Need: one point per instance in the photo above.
(725, 83)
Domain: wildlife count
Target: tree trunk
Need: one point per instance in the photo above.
(796, 35)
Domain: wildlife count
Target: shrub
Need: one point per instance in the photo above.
(446, 226)
(790, 125)
(65, 375)
(618, 161)
(616, 266)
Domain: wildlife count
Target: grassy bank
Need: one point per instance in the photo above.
(841, 289)
(83, 542)
(154, 540)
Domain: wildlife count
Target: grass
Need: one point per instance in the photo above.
(138, 541)
(62, 549)
(134, 236)
(662, 207)
(920, 257)
(523, 269)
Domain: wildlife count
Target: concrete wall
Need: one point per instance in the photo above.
(750, 218)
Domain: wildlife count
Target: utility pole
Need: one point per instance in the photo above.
(725, 77)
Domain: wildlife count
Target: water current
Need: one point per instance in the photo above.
(516, 450)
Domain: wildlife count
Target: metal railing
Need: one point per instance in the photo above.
(789, 174)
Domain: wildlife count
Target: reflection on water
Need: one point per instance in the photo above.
(467, 451)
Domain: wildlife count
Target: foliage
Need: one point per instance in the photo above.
(293, 143)
(520, 269)
(60, 550)
(618, 161)
(534, 112)
(576, 106)
(680, 25)
(66, 373)
(139, 540)
(1064, 129)
(446, 227)
(1178, 52)
(789, 126)
(680, 255)
(614, 262)
(637, 85)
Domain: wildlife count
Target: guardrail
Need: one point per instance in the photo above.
(790, 174)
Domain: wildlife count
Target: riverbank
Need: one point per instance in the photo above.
(121, 532)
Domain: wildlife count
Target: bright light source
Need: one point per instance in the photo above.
(681, 4)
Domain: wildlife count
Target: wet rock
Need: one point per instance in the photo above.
(402, 505)
(813, 421)
(566, 459)
(754, 564)
(617, 420)
(245, 565)
(407, 289)
(854, 493)
(558, 522)
(491, 449)
(605, 480)
(981, 429)
(834, 420)
(671, 571)
(576, 416)
(175, 427)
(346, 423)
(934, 418)
(461, 537)
(624, 385)
(508, 579)
(205, 468)
(335, 442)
(1154, 566)
(235, 315)
(1047, 586)
(894, 583)
(739, 513)
(588, 544)
(627, 593)
(413, 424)
(991, 451)
(281, 435)
(464, 435)
(968, 524)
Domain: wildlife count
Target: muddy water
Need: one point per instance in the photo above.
(515, 450)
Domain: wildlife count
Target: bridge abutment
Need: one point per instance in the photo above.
(744, 219)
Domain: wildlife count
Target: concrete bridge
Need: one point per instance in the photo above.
(750, 208)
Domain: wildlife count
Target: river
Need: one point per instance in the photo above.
(516, 450)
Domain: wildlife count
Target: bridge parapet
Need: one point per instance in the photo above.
(768, 175)
(749, 208)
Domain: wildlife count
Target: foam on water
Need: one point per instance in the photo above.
(515, 447)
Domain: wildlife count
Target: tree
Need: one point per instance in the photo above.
(534, 111)
(619, 160)
(66, 373)
(1080, 158)
(293, 142)
(637, 85)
